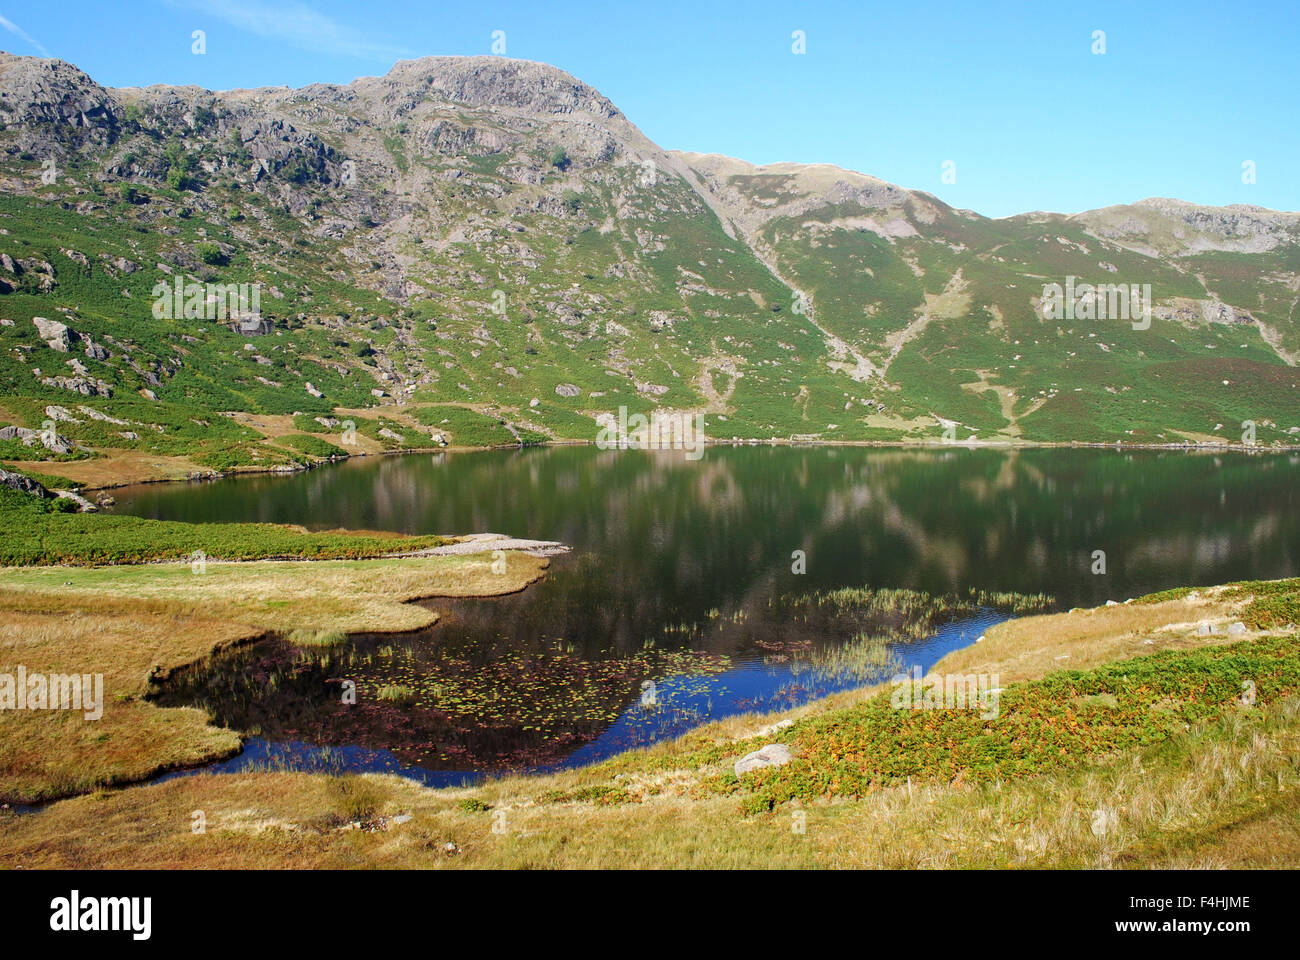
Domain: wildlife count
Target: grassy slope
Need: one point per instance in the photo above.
(1215, 791)
(634, 294)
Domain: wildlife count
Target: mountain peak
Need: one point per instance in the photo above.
(484, 81)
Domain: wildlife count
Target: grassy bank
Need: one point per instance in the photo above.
(34, 532)
(135, 623)
(1142, 753)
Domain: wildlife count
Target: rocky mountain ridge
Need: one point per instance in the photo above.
(497, 236)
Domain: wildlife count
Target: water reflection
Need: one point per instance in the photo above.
(676, 568)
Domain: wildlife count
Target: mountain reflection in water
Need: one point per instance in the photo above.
(678, 576)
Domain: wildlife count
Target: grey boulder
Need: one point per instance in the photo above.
(772, 755)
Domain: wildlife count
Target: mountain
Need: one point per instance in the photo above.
(488, 250)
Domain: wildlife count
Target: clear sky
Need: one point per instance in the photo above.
(1010, 93)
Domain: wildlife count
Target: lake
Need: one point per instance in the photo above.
(679, 602)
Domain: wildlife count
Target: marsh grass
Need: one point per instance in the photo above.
(31, 535)
(907, 615)
(1225, 794)
(317, 638)
(357, 798)
(866, 657)
(396, 693)
(136, 624)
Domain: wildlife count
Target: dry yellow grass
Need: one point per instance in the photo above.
(115, 468)
(1173, 808)
(1219, 796)
(1031, 647)
(126, 622)
(347, 595)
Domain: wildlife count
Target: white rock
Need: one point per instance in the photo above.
(772, 755)
(55, 334)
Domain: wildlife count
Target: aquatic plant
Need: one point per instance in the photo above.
(317, 638)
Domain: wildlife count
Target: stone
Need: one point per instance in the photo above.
(86, 386)
(772, 728)
(102, 417)
(76, 256)
(83, 505)
(567, 390)
(55, 334)
(56, 443)
(772, 755)
(60, 414)
(16, 481)
(1236, 629)
(94, 351)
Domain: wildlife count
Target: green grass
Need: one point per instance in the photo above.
(50, 481)
(313, 446)
(469, 428)
(32, 535)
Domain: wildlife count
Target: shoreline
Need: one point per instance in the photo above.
(28, 467)
(213, 633)
(162, 673)
(628, 809)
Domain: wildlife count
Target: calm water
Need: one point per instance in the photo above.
(678, 576)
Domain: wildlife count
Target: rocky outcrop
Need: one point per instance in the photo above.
(54, 442)
(84, 385)
(16, 481)
(55, 334)
(535, 88)
(53, 105)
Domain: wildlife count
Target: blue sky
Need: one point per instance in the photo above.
(1010, 93)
